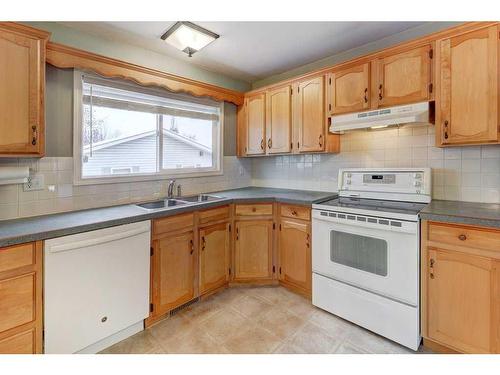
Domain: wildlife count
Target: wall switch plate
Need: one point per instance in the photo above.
(35, 182)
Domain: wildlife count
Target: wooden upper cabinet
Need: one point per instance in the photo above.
(214, 257)
(463, 301)
(253, 251)
(467, 88)
(403, 78)
(279, 120)
(349, 90)
(22, 77)
(295, 253)
(255, 124)
(173, 271)
(309, 114)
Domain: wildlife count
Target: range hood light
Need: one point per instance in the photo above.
(188, 37)
(379, 126)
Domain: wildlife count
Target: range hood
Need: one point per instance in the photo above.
(417, 113)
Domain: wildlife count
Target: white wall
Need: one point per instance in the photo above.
(460, 173)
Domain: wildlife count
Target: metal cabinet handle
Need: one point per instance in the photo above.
(320, 140)
(269, 143)
(380, 92)
(366, 95)
(462, 237)
(203, 243)
(33, 141)
(294, 213)
(446, 129)
(431, 266)
(192, 246)
(262, 144)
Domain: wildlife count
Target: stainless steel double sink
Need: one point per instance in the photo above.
(181, 201)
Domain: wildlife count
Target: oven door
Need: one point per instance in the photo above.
(382, 260)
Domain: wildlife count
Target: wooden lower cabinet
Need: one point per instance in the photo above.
(174, 263)
(21, 299)
(295, 254)
(253, 250)
(460, 289)
(214, 257)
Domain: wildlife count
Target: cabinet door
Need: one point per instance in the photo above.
(256, 124)
(310, 115)
(349, 90)
(278, 120)
(467, 95)
(253, 249)
(460, 303)
(214, 257)
(22, 64)
(295, 253)
(173, 274)
(404, 78)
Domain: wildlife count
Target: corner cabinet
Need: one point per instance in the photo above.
(253, 250)
(279, 120)
(22, 77)
(467, 88)
(461, 287)
(255, 124)
(309, 115)
(286, 119)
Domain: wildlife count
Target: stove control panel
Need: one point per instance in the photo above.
(408, 184)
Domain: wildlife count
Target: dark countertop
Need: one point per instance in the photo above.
(482, 214)
(62, 224)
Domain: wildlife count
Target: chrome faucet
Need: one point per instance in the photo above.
(170, 191)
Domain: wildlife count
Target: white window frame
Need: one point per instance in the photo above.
(218, 150)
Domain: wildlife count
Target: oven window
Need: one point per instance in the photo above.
(360, 252)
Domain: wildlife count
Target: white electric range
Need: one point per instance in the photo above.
(365, 254)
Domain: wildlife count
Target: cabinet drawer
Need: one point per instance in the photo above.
(296, 212)
(173, 223)
(254, 209)
(17, 256)
(17, 301)
(214, 214)
(20, 343)
(463, 235)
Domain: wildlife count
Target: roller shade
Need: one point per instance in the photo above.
(118, 95)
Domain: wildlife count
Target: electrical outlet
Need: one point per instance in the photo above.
(242, 171)
(35, 182)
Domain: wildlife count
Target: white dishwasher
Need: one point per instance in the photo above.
(96, 287)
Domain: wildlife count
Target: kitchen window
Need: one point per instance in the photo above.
(126, 132)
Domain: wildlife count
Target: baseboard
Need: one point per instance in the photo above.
(304, 293)
(438, 348)
(113, 339)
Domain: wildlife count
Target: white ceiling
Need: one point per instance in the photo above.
(250, 51)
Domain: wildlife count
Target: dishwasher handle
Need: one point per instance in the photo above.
(78, 244)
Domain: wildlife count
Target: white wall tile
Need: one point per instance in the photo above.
(14, 202)
(468, 173)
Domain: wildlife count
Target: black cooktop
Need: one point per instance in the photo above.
(400, 207)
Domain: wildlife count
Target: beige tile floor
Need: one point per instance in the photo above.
(255, 320)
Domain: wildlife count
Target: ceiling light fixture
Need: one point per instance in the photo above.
(188, 37)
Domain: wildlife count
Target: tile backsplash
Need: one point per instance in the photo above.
(460, 173)
(58, 171)
(469, 173)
